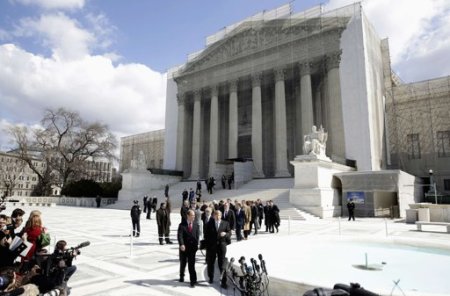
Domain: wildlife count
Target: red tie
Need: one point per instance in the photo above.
(190, 227)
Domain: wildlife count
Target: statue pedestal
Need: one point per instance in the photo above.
(135, 184)
(316, 190)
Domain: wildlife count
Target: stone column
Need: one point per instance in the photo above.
(214, 130)
(318, 107)
(180, 131)
(195, 167)
(233, 120)
(336, 121)
(306, 99)
(257, 126)
(280, 126)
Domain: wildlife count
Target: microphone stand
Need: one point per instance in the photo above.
(254, 280)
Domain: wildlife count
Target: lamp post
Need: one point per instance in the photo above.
(430, 172)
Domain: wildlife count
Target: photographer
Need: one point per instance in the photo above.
(60, 263)
(7, 256)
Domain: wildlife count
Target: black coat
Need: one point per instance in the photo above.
(212, 236)
(135, 212)
(163, 220)
(230, 218)
(240, 218)
(189, 239)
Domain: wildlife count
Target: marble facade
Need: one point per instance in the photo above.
(258, 90)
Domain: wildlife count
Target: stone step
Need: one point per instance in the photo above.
(276, 190)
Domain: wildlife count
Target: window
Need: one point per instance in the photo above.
(413, 146)
(443, 142)
(447, 184)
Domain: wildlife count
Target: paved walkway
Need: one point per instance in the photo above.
(109, 266)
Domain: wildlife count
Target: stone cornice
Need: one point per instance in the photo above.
(251, 42)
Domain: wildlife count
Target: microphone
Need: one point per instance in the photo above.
(243, 265)
(83, 244)
(230, 264)
(253, 261)
(263, 263)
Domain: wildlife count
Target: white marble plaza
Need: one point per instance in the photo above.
(108, 267)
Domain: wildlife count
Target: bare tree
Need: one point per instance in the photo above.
(65, 144)
(10, 174)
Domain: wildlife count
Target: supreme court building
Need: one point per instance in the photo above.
(260, 85)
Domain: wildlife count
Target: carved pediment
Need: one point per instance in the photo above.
(252, 37)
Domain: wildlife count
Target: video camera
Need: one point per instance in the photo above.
(8, 227)
(70, 252)
(49, 263)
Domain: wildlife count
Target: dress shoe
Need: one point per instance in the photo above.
(211, 281)
(224, 286)
(192, 285)
(181, 280)
(169, 242)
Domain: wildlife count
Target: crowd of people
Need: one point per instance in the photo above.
(211, 226)
(207, 225)
(27, 266)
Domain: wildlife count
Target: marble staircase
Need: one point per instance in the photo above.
(276, 189)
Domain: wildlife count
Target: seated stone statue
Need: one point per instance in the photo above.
(140, 163)
(314, 143)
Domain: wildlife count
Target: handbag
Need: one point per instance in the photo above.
(43, 240)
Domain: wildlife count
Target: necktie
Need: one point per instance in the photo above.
(190, 227)
(217, 225)
(226, 214)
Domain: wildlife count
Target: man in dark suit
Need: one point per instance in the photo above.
(240, 221)
(188, 238)
(217, 237)
(229, 216)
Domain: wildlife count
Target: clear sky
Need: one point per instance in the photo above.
(107, 58)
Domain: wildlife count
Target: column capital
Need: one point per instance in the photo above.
(232, 85)
(332, 60)
(280, 73)
(181, 98)
(256, 79)
(214, 90)
(197, 95)
(305, 68)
